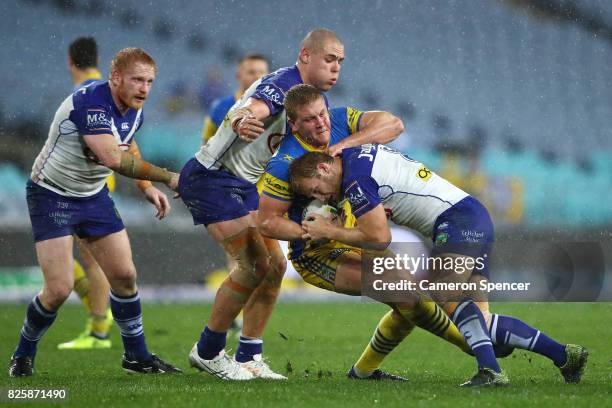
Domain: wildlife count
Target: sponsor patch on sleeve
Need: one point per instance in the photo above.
(271, 93)
(276, 188)
(356, 197)
(98, 120)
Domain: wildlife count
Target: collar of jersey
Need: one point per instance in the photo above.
(94, 75)
(307, 146)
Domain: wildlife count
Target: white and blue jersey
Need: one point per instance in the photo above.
(219, 184)
(248, 160)
(66, 165)
(411, 194)
(415, 197)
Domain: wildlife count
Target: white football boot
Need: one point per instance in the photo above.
(260, 369)
(222, 366)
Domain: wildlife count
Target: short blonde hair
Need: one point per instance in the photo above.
(128, 56)
(298, 96)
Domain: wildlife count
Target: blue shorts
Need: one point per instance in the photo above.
(53, 215)
(215, 195)
(465, 228)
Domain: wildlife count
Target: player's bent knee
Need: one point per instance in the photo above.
(55, 294)
(280, 266)
(251, 256)
(123, 280)
(274, 276)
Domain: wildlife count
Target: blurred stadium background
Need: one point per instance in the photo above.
(511, 100)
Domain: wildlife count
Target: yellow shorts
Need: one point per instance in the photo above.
(110, 182)
(317, 265)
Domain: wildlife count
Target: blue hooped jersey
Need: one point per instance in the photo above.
(411, 194)
(66, 165)
(248, 160)
(344, 122)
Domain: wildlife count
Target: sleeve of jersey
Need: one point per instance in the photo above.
(362, 194)
(276, 180)
(345, 121)
(272, 94)
(92, 120)
(353, 119)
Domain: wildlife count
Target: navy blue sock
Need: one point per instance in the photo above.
(513, 332)
(211, 343)
(37, 321)
(247, 348)
(473, 328)
(128, 315)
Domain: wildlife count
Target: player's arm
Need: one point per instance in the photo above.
(272, 222)
(374, 127)
(151, 193)
(247, 121)
(107, 153)
(274, 201)
(371, 231)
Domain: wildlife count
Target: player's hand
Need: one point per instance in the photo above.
(159, 201)
(249, 128)
(336, 149)
(316, 228)
(173, 183)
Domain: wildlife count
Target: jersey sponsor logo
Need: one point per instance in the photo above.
(356, 197)
(272, 93)
(125, 126)
(366, 151)
(97, 118)
(441, 239)
(276, 186)
(424, 173)
(472, 235)
(443, 226)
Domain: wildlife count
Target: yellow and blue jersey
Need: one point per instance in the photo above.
(275, 181)
(216, 114)
(89, 79)
(344, 122)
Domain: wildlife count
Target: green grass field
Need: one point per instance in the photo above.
(315, 344)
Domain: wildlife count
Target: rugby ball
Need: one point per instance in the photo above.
(318, 207)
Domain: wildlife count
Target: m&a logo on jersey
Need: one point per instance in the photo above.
(96, 118)
(125, 126)
(356, 197)
(272, 93)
